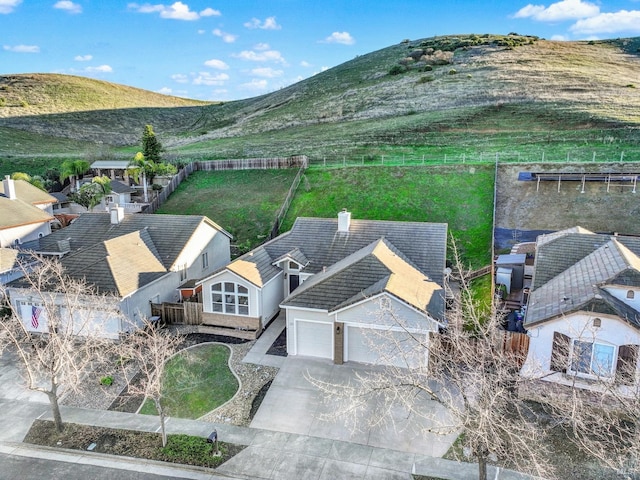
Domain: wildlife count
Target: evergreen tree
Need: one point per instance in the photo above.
(151, 147)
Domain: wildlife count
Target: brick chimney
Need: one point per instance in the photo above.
(9, 188)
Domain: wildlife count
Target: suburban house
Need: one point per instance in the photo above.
(339, 282)
(583, 314)
(140, 259)
(27, 212)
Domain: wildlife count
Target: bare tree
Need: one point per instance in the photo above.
(465, 369)
(151, 348)
(57, 325)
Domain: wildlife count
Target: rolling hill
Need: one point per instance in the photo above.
(476, 89)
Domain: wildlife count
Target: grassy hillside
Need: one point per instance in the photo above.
(494, 93)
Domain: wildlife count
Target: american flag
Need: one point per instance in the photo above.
(35, 315)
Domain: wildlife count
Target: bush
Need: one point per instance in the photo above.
(427, 68)
(426, 79)
(397, 70)
(23, 103)
(631, 85)
(156, 187)
(192, 450)
(3, 101)
(106, 381)
(453, 71)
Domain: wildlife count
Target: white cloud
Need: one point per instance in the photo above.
(343, 38)
(560, 38)
(180, 78)
(165, 91)
(324, 69)
(268, 24)
(264, 56)
(83, 58)
(559, 11)
(206, 78)
(266, 72)
(22, 48)
(305, 64)
(7, 6)
(621, 21)
(201, 32)
(210, 12)
(215, 63)
(254, 85)
(226, 37)
(68, 6)
(99, 69)
(175, 11)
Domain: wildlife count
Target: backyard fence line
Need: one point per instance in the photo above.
(275, 230)
(300, 161)
(338, 161)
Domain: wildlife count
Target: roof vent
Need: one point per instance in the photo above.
(344, 220)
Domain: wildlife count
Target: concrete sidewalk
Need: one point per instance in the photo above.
(269, 455)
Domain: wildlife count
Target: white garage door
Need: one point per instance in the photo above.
(384, 347)
(314, 339)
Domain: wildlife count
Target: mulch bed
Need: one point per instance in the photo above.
(128, 443)
(279, 346)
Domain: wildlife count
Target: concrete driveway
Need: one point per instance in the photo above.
(294, 405)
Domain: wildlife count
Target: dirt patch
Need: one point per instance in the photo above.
(526, 206)
(128, 443)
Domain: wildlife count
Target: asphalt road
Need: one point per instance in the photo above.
(26, 468)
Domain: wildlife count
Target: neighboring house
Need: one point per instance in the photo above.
(10, 261)
(27, 212)
(583, 314)
(339, 281)
(114, 169)
(120, 195)
(141, 259)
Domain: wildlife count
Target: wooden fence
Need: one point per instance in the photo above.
(300, 161)
(275, 229)
(186, 313)
(515, 343)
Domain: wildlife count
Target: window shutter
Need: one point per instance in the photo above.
(560, 352)
(627, 364)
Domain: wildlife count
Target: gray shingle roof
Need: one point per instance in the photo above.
(578, 285)
(376, 268)
(169, 233)
(424, 244)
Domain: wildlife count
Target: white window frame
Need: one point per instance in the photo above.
(205, 260)
(592, 372)
(230, 298)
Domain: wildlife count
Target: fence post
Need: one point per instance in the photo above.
(445, 158)
(423, 159)
(594, 157)
(382, 159)
(621, 156)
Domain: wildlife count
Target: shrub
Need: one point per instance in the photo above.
(453, 71)
(3, 101)
(156, 187)
(192, 450)
(397, 70)
(427, 68)
(426, 79)
(631, 85)
(23, 103)
(106, 381)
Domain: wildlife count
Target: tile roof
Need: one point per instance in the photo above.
(118, 187)
(120, 265)
(16, 213)
(577, 286)
(8, 259)
(169, 233)
(376, 268)
(317, 244)
(29, 194)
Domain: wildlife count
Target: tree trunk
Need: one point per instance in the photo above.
(162, 420)
(55, 407)
(482, 467)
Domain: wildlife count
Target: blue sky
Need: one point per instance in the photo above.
(212, 50)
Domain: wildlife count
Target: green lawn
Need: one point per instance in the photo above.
(243, 202)
(461, 196)
(197, 381)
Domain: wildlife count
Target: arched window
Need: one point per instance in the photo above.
(230, 298)
(630, 294)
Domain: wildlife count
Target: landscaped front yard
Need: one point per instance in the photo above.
(197, 381)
